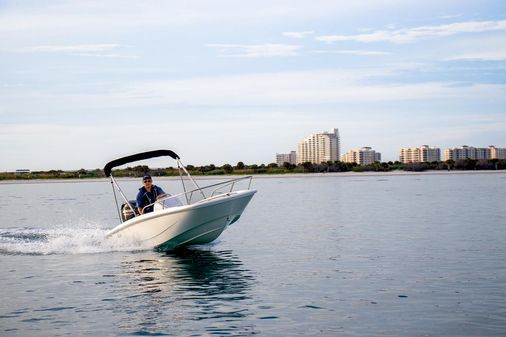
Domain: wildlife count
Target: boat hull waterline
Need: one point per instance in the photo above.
(194, 224)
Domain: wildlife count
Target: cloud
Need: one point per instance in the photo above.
(353, 52)
(478, 127)
(298, 35)
(271, 89)
(82, 48)
(292, 88)
(476, 48)
(255, 50)
(112, 56)
(407, 35)
(30, 151)
(498, 55)
(449, 16)
(115, 15)
(106, 50)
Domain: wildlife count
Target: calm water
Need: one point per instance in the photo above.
(417, 255)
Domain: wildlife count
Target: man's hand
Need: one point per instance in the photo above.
(161, 196)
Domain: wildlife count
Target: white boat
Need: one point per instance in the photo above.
(195, 216)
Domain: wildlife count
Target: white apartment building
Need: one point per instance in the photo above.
(319, 148)
(467, 152)
(282, 158)
(420, 154)
(362, 156)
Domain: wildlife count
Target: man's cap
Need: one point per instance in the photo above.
(147, 176)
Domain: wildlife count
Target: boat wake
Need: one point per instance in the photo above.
(69, 239)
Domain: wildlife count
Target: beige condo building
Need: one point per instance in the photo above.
(497, 153)
(420, 154)
(282, 158)
(362, 156)
(319, 148)
(470, 152)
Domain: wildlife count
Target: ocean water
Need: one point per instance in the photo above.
(335, 255)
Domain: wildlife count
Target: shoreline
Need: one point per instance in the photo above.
(264, 176)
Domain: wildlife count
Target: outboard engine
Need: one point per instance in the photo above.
(126, 211)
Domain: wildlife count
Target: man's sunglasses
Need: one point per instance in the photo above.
(147, 180)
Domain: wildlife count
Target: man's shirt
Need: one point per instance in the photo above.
(145, 198)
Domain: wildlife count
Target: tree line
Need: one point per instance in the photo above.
(242, 169)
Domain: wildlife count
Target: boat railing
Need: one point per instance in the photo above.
(196, 195)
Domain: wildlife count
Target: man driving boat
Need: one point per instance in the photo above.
(148, 194)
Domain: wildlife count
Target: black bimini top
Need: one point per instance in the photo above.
(136, 157)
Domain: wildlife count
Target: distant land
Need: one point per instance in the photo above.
(264, 169)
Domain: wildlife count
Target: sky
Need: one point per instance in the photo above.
(86, 82)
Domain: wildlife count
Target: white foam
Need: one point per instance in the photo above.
(82, 238)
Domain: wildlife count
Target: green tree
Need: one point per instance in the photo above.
(308, 166)
(227, 168)
(140, 170)
(495, 163)
(287, 166)
(450, 164)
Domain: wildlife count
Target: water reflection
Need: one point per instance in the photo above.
(212, 274)
(165, 292)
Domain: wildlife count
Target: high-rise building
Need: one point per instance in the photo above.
(319, 148)
(362, 156)
(420, 154)
(282, 158)
(467, 152)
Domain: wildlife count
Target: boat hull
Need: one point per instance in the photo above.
(199, 223)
